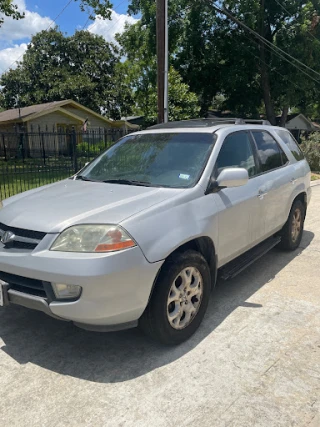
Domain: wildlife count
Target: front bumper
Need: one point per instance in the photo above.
(115, 287)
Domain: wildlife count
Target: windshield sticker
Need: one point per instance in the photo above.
(184, 176)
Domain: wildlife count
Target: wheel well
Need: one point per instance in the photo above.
(205, 246)
(303, 198)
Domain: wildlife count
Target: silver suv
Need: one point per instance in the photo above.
(140, 235)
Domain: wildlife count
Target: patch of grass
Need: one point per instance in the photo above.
(315, 176)
(16, 177)
(24, 181)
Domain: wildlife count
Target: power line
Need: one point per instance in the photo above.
(263, 39)
(272, 49)
(266, 42)
(96, 21)
(52, 22)
(290, 14)
(59, 14)
(56, 18)
(86, 23)
(267, 65)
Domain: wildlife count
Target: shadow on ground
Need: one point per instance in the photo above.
(32, 337)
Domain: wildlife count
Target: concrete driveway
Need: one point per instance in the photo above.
(254, 362)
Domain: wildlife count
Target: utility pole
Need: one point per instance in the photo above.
(166, 63)
(162, 55)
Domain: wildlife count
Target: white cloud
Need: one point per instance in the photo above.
(108, 29)
(11, 54)
(32, 23)
(14, 32)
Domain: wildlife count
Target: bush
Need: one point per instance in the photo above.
(91, 149)
(311, 149)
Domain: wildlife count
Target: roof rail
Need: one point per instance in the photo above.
(201, 123)
(257, 122)
(197, 123)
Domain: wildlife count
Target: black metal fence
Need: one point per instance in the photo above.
(32, 159)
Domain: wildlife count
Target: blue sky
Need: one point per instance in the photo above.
(72, 16)
(14, 35)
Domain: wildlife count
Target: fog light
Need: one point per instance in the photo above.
(66, 291)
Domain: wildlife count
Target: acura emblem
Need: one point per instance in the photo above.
(7, 237)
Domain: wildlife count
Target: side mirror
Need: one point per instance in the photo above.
(228, 178)
(233, 177)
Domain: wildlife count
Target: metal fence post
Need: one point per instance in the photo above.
(37, 161)
(43, 149)
(21, 145)
(4, 147)
(74, 149)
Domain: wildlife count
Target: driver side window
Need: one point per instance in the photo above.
(236, 152)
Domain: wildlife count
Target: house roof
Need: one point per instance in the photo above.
(316, 125)
(15, 115)
(291, 121)
(26, 114)
(289, 117)
(294, 116)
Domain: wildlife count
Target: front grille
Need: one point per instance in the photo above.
(21, 245)
(29, 234)
(25, 285)
(23, 239)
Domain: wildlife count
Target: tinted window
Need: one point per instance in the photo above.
(270, 154)
(161, 159)
(290, 142)
(236, 152)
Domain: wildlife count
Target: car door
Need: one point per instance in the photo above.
(236, 206)
(274, 185)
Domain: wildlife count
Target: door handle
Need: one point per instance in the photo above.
(261, 194)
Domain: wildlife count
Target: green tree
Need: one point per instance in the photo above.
(183, 104)
(96, 7)
(193, 50)
(310, 147)
(290, 25)
(216, 56)
(8, 8)
(83, 67)
(140, 70)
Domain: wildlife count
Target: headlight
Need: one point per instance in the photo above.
(93, 238)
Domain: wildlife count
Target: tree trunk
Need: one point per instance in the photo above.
(265, 79)
(284, 116)
(265, 83)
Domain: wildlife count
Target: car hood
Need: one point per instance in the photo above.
(55, 207)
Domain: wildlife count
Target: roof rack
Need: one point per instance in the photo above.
(257, 122)
(208, 123)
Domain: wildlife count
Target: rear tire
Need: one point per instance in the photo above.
(292, 231)
(179, 300)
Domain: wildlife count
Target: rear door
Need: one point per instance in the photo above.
(274, 185)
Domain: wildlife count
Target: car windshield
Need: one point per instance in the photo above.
(174, 160)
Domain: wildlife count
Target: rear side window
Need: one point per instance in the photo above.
(270, 154)
(236, 152)
(291, 143)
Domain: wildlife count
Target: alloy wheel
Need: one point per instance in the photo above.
(296, 225)
(184, 298)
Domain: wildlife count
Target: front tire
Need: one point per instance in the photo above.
(291, 233)
(179, 300)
